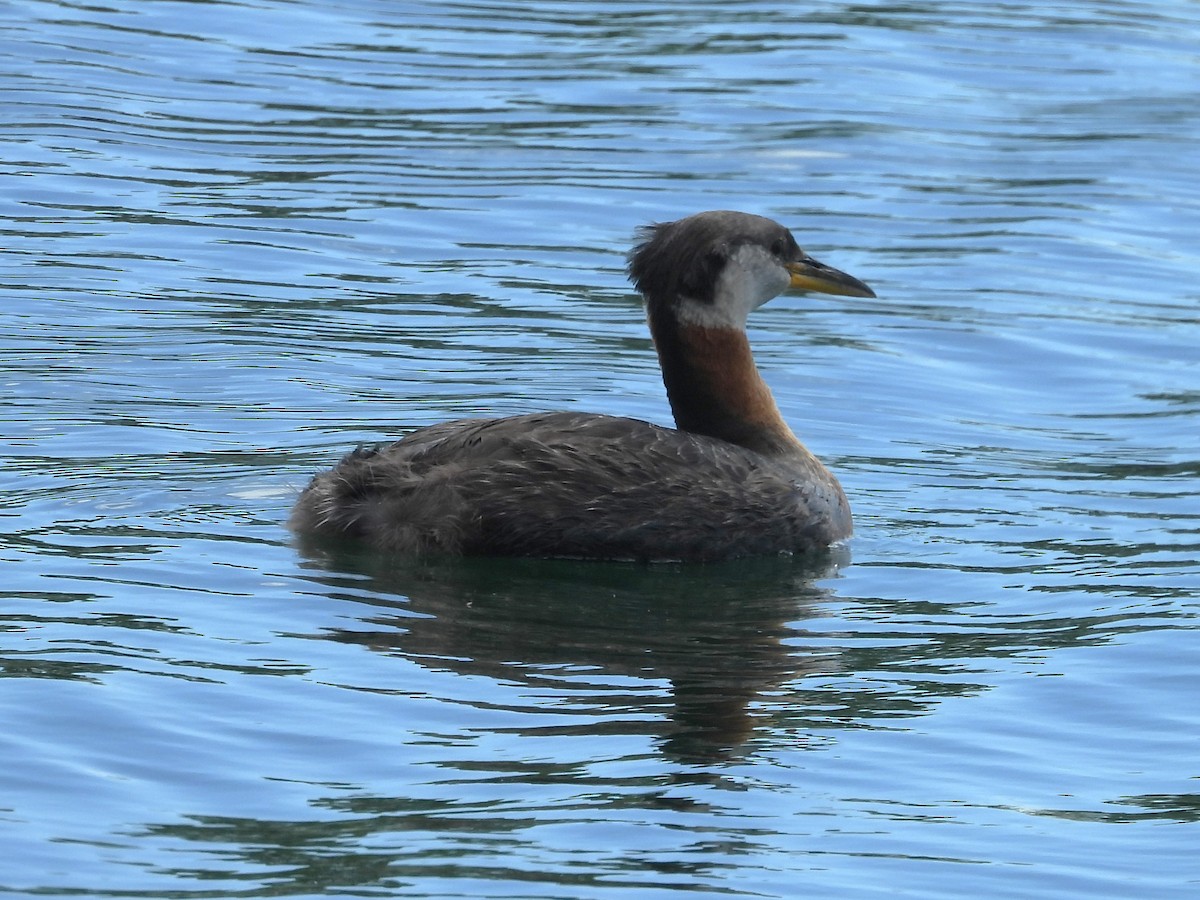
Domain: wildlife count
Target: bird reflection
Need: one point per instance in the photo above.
(714, 634)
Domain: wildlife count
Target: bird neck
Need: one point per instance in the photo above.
(715, 389)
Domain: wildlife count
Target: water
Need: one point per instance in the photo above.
(241, 237)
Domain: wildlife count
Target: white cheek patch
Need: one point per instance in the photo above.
(750, 278)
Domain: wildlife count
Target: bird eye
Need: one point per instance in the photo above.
(777, 247)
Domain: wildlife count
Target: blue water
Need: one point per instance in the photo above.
(240, 238)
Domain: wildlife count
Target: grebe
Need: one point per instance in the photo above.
(731, 480)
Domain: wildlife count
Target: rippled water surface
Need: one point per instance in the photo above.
(239, 238)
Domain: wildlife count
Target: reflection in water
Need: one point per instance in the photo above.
(714, 633)
(682, 654)
(1145, 808)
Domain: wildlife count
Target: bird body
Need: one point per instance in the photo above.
(731, 480)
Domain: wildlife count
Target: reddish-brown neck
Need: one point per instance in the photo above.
(715, 389)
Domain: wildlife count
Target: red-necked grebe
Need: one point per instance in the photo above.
(731, 480)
